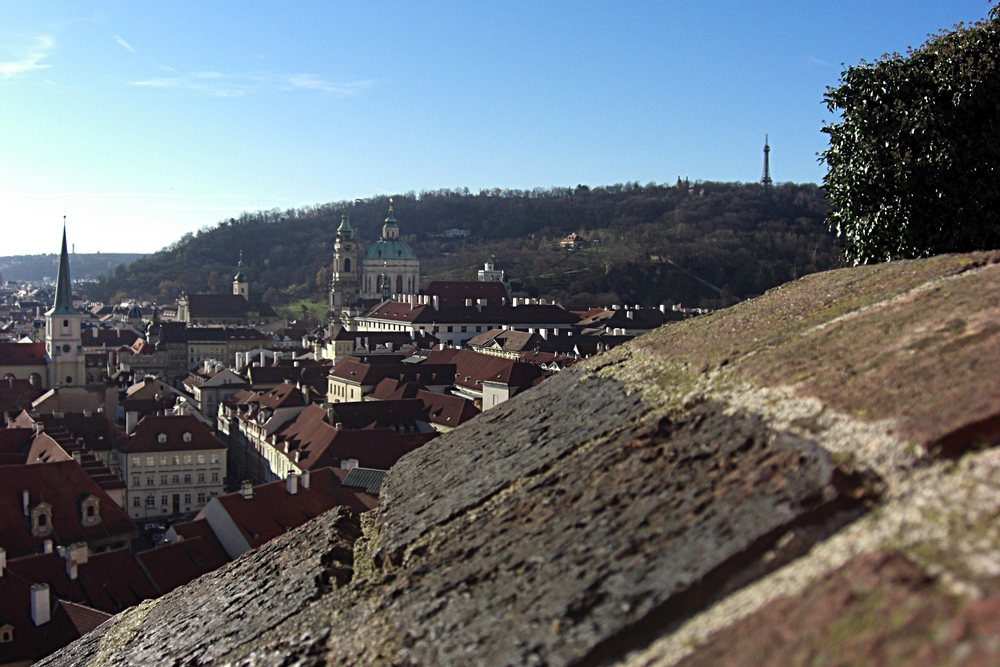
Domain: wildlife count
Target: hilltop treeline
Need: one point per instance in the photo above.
(86, 266)
(697, 244)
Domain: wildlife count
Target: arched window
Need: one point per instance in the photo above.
(347, 265)
(378, 284)
(399, 284)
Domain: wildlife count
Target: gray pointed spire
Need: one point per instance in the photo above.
(64, 286)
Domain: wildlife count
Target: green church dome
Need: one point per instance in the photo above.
(387, 249)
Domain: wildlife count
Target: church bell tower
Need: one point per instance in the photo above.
(344, 283)
(63, 339)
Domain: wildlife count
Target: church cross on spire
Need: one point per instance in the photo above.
(64, 286)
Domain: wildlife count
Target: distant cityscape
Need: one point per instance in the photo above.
(151, 443)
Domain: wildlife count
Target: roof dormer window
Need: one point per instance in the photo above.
(187, 437)
(90, 509)
(161, 438)
(6, 634)
(41, 519)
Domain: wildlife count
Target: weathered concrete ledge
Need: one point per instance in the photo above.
(710, 493)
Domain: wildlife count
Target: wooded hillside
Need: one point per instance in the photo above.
(653, 244)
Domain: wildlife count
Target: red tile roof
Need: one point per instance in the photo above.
(83, 618)
(32, 642)
(145, 438)
(177, 564)
(16, 395)
(474, 368)
(394, 389)
(110, 581)
(273, 511)
(454, 293)
(321, 445)
(22, 354)
(447, 410)
(62, 485)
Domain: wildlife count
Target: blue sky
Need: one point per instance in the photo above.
(143, 121)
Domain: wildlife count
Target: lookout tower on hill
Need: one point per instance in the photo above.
(765, 180)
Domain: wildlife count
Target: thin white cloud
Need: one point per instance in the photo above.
(312, 82)
(209, 83)
(220, 84)
(125, 45)
(18, 59)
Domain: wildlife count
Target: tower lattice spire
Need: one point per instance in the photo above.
(765, 180)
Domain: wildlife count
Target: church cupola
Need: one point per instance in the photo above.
(241, 286)
(345, 232)
(390, 229)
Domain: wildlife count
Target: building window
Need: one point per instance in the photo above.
(215, 477)
(177, 460)
(163, 480)
(150, 501)
(137, 461)
(135, 480)
(201, 458)
(176, 479)
(187, 498)
(163, 460)
(478, 329)
(164, 500)
(187, 458)
(215, 458)
(450, 329)
(463, 329)
(201, 498)
(187, 478)
(137, 502)
(201, 478)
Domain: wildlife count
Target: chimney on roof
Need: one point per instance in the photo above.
(348, 464)
(304, 479)
(26, 502)
(131, 420)
(630, 314)
(292, 484)
(436, 302)
(663, 308)
(246, 490)
(3, 561)
(76, 455)
(468, 303)
(77, 553)
(544, 333)
(87, 413)
(94, 331)
(47, 546)
(41, 609)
